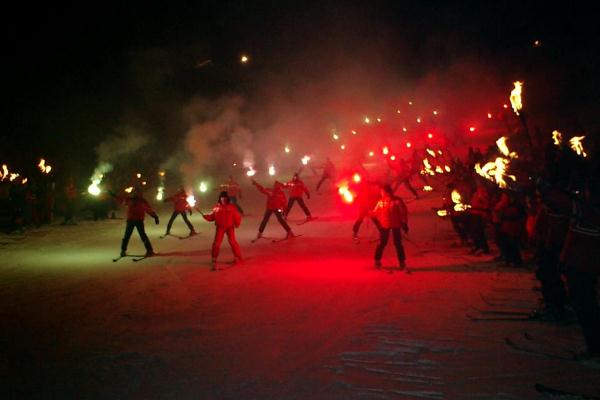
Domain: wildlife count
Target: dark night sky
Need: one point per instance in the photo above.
(70, 77)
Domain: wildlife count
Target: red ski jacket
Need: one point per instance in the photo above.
(297, 188)
(511, 218)
(275, 197)
(179, 201)
(225, 216)
(137, 207)
(391, 213)
(480, 204)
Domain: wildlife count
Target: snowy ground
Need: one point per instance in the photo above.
(303, 319)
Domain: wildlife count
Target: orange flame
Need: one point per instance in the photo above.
(557, 137)
(495, 171)
(457, 200)
(577, 145)
(515, 97)
(356, 178)
(347, 195)
(501, 143)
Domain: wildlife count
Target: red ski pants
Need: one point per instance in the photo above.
(235, 247)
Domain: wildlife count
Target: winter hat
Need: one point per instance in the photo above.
(224, 194)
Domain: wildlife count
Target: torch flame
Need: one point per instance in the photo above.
(431, 152)
(442, 213)
(557, 137)
(495, 171)
(305, 160)
(356, 178)
(515, 97)
(427, 188)
(501, 143)
(385, 150)
(203, 187)
(160, 193)
(577, 145)
(251, 171)
(272, 170)
(129, 189)
(191, 200)
(347, 195)
(457, 200)
(427, 170)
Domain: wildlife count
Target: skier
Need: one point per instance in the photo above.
(367, 197)
(328, 172)
(234, 191)
(227, 219)
(137, 207)
(180, 207)
(509, 215)
(275, 205)
(402, 175)
(479, 214)
(392, 215)
(297, 190)
(70, 197)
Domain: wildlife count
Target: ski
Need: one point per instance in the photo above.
(498, 318)
(528, 349)
(307, 220)
(144, 257)
(558, 393)
(125, 256)
(285, 238)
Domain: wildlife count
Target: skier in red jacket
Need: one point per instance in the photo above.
(180, 207)
(392, 215)
(137, 208)
(297, 190)
(234, 191)
(275, 205)
(227, 218)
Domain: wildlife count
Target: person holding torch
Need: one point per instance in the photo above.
(227, 218)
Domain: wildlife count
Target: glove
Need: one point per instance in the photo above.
(156, 219)
(405, 228)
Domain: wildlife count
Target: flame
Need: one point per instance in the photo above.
(354, 132)
(161, 173)
(404, 130)
(408, 145)
(495, 171)
(435, 112)
(13, 176)
(418, 120)
(251, 171)
(501, 143)
(427, 170)
(305, 160)
(371, 154)
(272, 170)
(94, 189)
(160, 193)
(335, 136)
(24, 181)
(515, 97)
(45, 168)
(439, 170)
(385, 150)
(430, 135)
(557, 137)
(447, 168)
(343, 147)
(139, 175)
(457, 200)
(286, 149)
(203, 187)
(356, 178)
(347, 195)
(129, 189)
(577, 145)
(427, 189)
(244, 59)
(378, 119)
(367, 120)
(489, 115)
(4, 173)
(191, 200)
(442, 213)
(393, 158)
(430, 152)
(471, 129)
